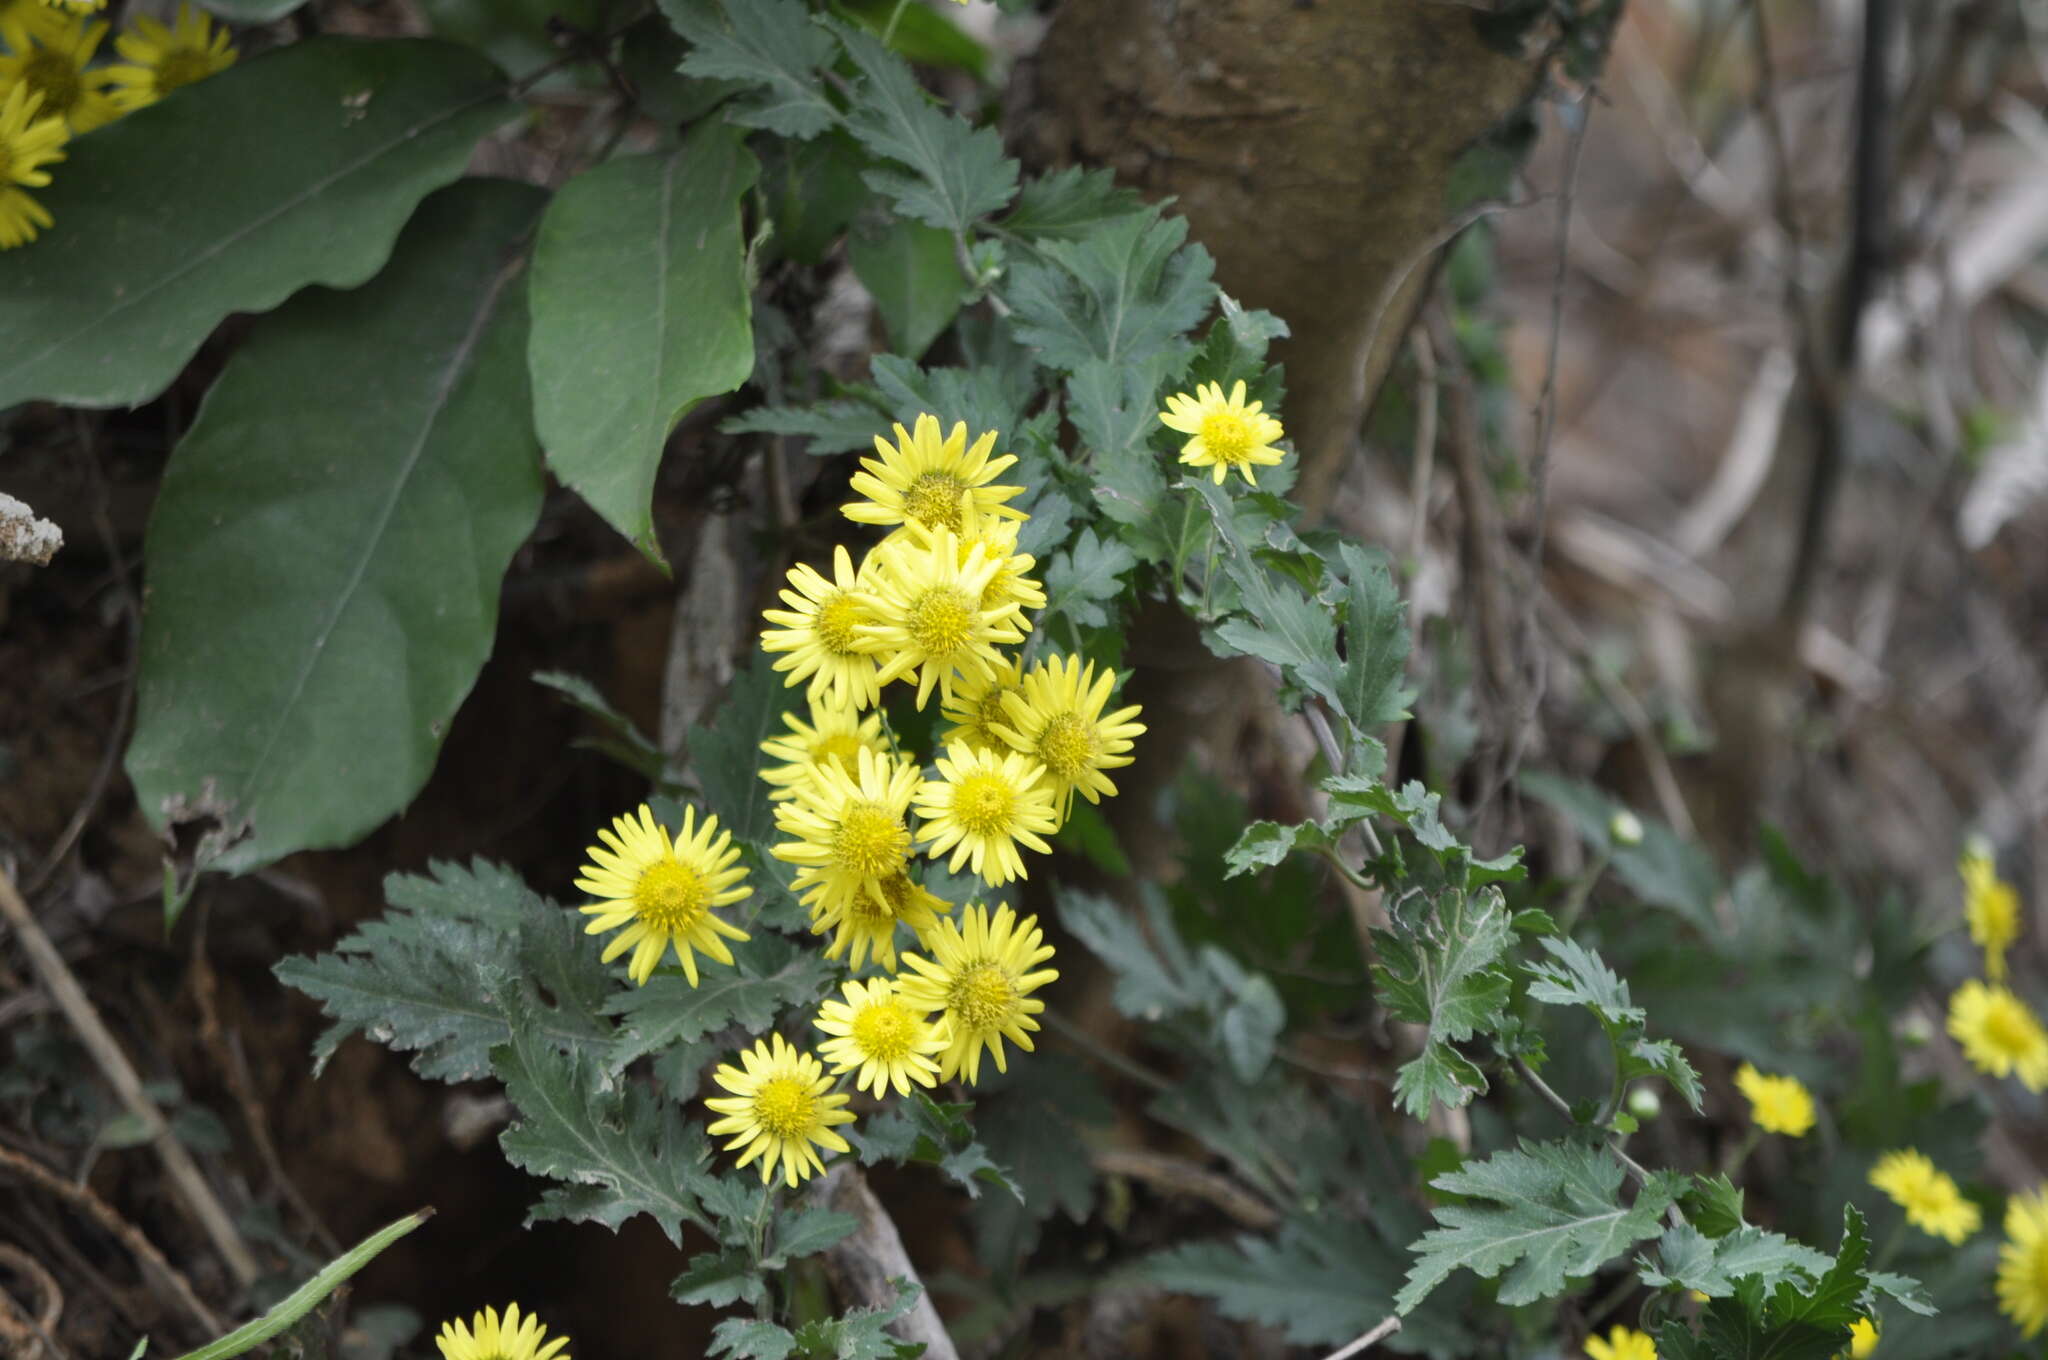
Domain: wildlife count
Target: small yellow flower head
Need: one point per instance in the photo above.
(1998, 1034)
(1778, 1104)
(2023, 1262)
(930, 619)
(484, 1337)
(28, 142)
(938, 483)
(1056, 718)
(781, 1110)
(1930, 1199)
(851, 833)
(161, 59)
(1862, 1338)
(52, 62)
(976, 708)
(663, 892)
(1991, 908)
(1622, 1343)
(75, 6)
(981, 806)
(867, 924)
(877, 1031)
(823, 633)
(833, 736)
(1010, 584)
(981, 975)
(1227, 434)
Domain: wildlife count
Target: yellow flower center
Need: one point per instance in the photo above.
(983, 803)
(670, 897)
(885, 1031)
(988, 710)
(843, 747)
(1067, 746)
(52, 75)
(942, 620)
(982, 996)
(1227, 436)
(181, 67)
(785, 1107)
(934, 500)
(871, 841)
(838, 614)
(2007, 1029)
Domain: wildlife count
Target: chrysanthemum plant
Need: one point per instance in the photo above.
(829, 937)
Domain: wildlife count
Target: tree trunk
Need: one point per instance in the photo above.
(1309, 143)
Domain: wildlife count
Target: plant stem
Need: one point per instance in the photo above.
(1575, 905)
(889, 29)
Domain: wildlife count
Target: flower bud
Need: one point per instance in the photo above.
(1644, 1103)
(1625, 828)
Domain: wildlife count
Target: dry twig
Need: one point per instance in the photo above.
(32, 1334)
(186, 1179)
(862, 1264)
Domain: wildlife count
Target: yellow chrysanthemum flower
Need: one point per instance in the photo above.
(867, 924)
(1778, 1104)
(981, 806)
(2023, 1262)
(1622, 1343)
(52, 63)
(486, 1338)
(28, 142)
(1056, 718)
(850, 829)
(663, 891)
(833, 736)
(1010, 584)
(162, 59)
(887, 1038)
(981, 975)
(930, 619)
(822, 631)
(75, 6)
(1862, 1338)
(1930, 1199)
(1991, 908)
(781, 1110)
(21, 19)
(939, 483)
(976, 708)
(1999, 1034)
(1227, 434)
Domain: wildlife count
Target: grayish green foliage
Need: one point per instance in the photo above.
(957, 173)
(1083, 580)
(720, 1279)
(770, 45)
(111, 302)
(620, 1148)
(1663, 870)
(725, 752)
(1689, 1259)
(623, 740)
(440, 973)
(640, 310)
(1445, 972)
(921, 1129)
(1542, 1213)
(1578, 977)
(1070, 204)
(772, 975)
(324, 569)
(859, 1335)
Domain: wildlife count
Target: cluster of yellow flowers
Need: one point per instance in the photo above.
(51, 92)
(486, 1337)
(933, 605)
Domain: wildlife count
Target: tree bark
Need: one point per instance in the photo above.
(1309, 143)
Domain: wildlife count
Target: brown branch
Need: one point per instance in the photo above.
(146, 1255)
(862, 1264)
(1178, 1176)
(187, 1182)
(33, 1333)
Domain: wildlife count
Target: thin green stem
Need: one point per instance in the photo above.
(1351, 875)
(1575, 905)
(1103, 1054)
(302, 1300)
(1542, 1088)
(889, 29)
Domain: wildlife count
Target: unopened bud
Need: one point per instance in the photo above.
(1644, 1103)
(1914, 1030)
(1625, 828)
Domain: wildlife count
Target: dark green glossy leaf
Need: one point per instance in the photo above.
(640, 310)
(324, 569)
(299, 166)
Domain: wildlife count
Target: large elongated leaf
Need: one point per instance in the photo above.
(324, 556)
(640, 310)
(297, 167)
